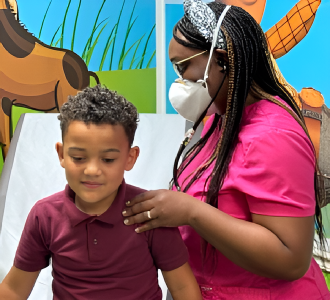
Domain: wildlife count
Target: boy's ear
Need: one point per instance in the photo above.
(59, 150)
(132, 157)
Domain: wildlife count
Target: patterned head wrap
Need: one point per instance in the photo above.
(198, 25)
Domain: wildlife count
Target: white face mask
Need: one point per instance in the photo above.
(190, 99)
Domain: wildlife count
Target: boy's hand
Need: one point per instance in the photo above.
(18, 284)
(182, 284)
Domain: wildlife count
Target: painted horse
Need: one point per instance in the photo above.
(33, 74)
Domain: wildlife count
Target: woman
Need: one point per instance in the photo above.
(248, 196)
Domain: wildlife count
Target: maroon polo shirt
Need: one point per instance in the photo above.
(97, 257)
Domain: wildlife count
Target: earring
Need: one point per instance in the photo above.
(222, 64)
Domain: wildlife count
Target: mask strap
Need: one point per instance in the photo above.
(214, 41)
(188, 136)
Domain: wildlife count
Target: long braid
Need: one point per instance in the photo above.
(191, 154)
(239, 84)
(251, 69)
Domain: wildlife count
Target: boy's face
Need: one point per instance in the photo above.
(94, 158)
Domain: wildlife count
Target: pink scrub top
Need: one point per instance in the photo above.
(271, 173)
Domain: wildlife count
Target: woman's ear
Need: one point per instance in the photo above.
(221, 58)
(221, 54)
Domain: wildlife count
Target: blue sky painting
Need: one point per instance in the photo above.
(32, 12)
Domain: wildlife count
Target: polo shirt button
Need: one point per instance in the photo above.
(95, 241)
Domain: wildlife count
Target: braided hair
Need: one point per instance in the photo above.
(251, 69)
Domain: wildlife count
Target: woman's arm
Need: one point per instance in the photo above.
(274, 247)
(182, 284)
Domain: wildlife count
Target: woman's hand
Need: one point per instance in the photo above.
(159, 208)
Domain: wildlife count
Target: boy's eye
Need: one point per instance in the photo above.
(108, 160)
(77, 159)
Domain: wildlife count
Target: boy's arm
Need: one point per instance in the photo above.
(182, 283)
(18, 284)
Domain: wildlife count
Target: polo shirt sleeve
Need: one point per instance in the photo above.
(33, 253)
(277, 174)
(167, 248)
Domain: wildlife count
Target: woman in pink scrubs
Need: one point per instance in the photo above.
(245, 196)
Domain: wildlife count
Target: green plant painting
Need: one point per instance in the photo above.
(133, 55)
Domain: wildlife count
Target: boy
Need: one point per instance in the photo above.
(94, 254)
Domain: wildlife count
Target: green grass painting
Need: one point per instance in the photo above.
(138, 86)
(134, 54)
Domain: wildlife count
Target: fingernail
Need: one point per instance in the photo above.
(126, 221)
(124, 212)
(128, 202)
(137, 230)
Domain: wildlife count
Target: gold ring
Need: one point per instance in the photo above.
(148, 214)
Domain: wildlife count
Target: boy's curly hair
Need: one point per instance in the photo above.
(99, 105)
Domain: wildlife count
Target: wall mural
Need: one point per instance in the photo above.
(70, 44)
(41, 66)
(33, 74)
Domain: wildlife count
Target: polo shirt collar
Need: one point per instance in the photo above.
(111, 216)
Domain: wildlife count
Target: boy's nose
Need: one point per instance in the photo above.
(92, 169)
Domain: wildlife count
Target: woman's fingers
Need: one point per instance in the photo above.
(140, 218)
(147, 226)
(139, 198)
(158, 208)
(140, 203)
(138, 208)
(142, 197)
